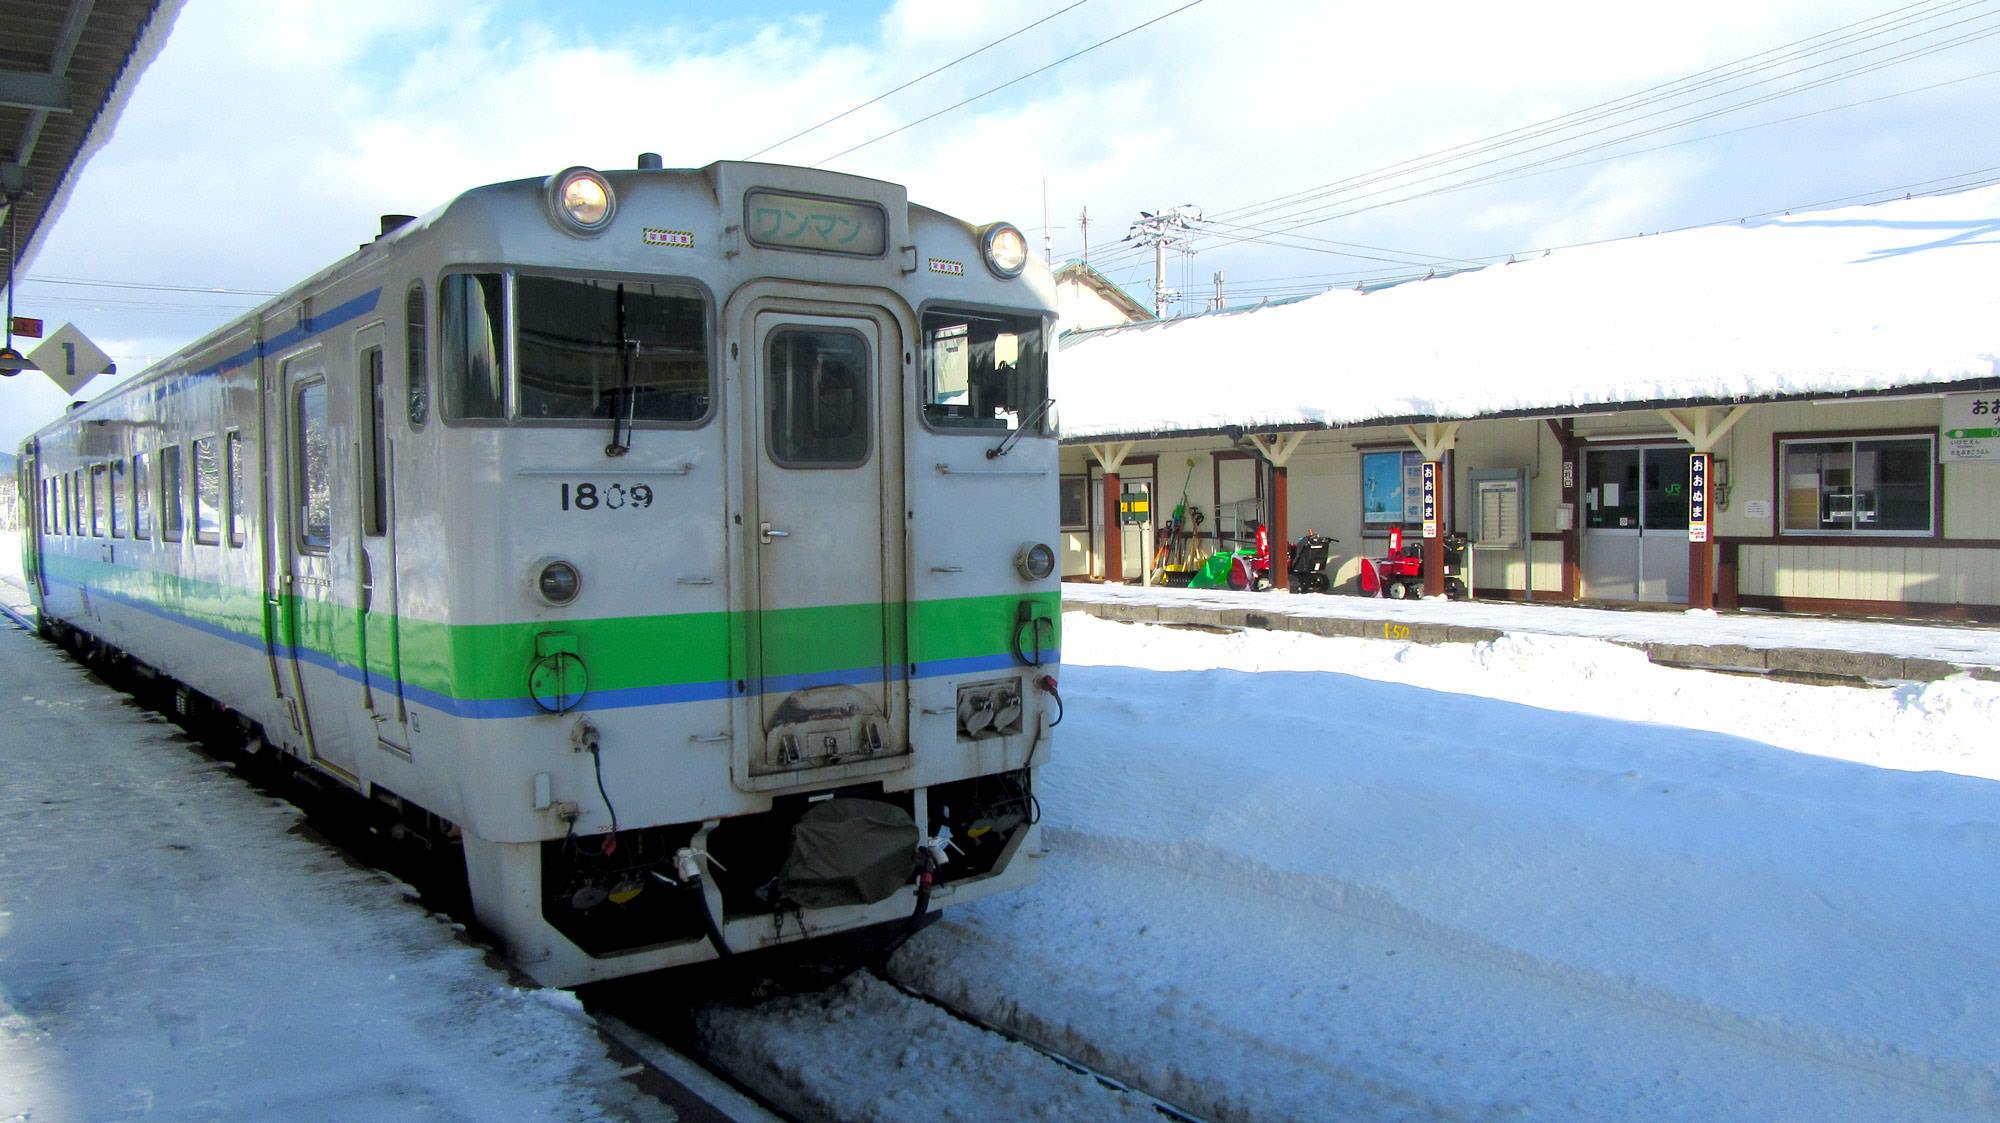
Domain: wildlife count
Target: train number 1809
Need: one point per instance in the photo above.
(588, 496)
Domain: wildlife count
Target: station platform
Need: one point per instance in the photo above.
(173, 946)
(1806, 648)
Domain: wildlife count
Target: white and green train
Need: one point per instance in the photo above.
(678, 542)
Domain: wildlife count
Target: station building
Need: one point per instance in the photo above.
(1838, 373)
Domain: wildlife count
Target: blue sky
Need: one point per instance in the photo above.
(265, 138)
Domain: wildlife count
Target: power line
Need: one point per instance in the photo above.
(103, 284)
(914, 81)
(1010, 82)
(1326, 212)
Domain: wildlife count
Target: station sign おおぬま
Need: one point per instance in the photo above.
(1430, 499)
(1698, 497)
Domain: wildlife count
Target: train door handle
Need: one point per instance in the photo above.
(766, 532)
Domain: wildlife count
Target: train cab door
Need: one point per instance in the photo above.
(318, 640)
(824, 538)
(378, 637)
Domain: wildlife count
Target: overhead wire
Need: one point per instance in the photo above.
(1311, 216)
(1699, 80)
(1006, 84)
(927, 74)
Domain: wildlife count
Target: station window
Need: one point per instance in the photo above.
(117, 498)
(314, 458)
(233, 454)
(817, 399)
(142, 495)
(173, 508)
(984, 370)
(1392, 488)
(1871, 485)
(474, 359)
(416, 366)
(207, 492)
(1076, 502)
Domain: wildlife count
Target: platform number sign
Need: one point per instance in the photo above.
(1698, 497)
(1430, 499)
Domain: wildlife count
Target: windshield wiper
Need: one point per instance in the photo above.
(1007, 444)
(623, 401)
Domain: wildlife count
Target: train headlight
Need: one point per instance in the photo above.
(1035, 561)
(582, 201)
(558, 583)
(1005, 249)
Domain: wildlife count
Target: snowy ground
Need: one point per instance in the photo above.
(1305, 878)
(170, 948)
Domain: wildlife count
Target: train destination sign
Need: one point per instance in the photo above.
(801, 222)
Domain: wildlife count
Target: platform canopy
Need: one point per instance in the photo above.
(66, 67)
(1901, 296)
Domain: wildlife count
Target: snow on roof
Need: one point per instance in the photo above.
(1870, 298)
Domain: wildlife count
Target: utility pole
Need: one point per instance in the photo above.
(1218, 306)
(1083, 223)
(1162, 229)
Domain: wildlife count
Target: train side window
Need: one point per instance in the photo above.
(142, 495)
(232, 450)
(173, 516)
(473, 365)
(416, 367)
(97, 500)
(313, 456)
(816, 397)
(590, 348)
(117, 498)
(983, 370)
(374, 429)
(79, 504)
(207, 492)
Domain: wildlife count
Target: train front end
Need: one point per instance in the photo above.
(747, 482)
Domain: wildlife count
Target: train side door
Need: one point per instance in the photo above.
(378, 635)
(824, 533)
(315, 632)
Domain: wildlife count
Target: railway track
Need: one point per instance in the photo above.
(869, 1049)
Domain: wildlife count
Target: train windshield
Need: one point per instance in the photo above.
(983, 370)
(604, 349)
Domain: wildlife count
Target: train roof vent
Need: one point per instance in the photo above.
(394, 222)
(650, 162)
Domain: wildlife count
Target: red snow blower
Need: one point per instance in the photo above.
(1401, 574)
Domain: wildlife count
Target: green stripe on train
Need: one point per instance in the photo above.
(484, 662)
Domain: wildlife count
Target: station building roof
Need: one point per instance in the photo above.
(66, 69)
(1891, 298)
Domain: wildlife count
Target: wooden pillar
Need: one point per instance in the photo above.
(1280, 527)
(1278, 451)
(1433, 440)
(1572, 497)
(1112, 458)
(1434, 546)
(1701, 429)
(1114, 531)
(1701, 564)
